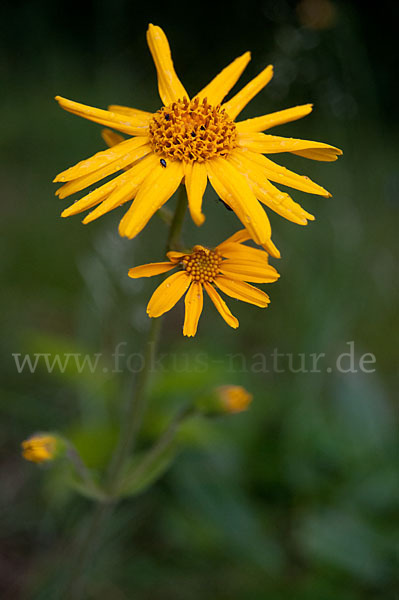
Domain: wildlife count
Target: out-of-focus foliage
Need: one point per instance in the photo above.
(298, 497)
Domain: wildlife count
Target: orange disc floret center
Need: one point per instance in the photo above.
(192, 131)
(202, 264)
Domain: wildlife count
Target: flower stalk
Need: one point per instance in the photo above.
(133, 417)
(174, 236)
(132, 421)
(163, 441)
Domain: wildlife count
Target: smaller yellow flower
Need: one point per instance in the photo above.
(229, 267)
(39, 448)
(234, 398)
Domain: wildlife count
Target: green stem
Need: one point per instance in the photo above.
(129, 431)
(78, 463)
(84, 474)
(164, 441)
(178, 219)
(165, 215)
(135, 411)
(136, 408)
(75, 589)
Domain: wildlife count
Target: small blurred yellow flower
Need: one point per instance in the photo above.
(40, 447)
(193, 139)
(222, 400)
(234, 398)
(228, 267)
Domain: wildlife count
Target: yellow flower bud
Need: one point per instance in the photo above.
(40, 447)
(233, 398)
(222, 400)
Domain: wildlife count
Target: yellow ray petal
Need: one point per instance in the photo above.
(196, 178)
(221, 306)
(220, 85)
(128, 184)
(267, 193)
(232, 187)
(242, 291)
(319, 154)
(246, 271)
(92, 198)
(234, 106)
(193, 302)
(168, 294)
(156, 189)
(239, 252)
(242, 236)
(239, 236)
(169, 85)
(175, 256)
(127, 124)
(150, 269)
(271, 248)
(117, 165)
(133, 112)
(111, 138)
(284, 176)
(100, 159)
(272, 144)
(273, 119)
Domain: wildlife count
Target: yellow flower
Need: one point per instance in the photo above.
(40, 447)
(224, 399)
(234, 398)
(229, 267)
(193, 139)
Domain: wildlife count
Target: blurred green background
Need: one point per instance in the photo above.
(298, 497)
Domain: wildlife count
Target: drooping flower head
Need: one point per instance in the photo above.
(228, 267)
(194, 139)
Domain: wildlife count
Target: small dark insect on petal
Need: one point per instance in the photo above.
(202, 127)
(167, 117)
(193, 134)
(225, 205)
(163, 162)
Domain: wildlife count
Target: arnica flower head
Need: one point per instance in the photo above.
(40, 447)
(228, 267)
(193, 139)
